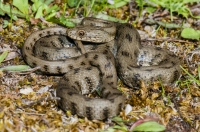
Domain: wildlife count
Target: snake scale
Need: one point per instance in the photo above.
(112, 50)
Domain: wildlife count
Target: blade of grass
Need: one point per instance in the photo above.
(194, 79)
(3, 56)
(199, 71)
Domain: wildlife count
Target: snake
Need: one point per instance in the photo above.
(107, 51)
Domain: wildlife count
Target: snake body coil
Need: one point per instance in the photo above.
(84, 73)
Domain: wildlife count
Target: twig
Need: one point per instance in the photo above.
(166, 39)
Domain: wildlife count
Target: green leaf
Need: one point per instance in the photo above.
(66, 22)
(3, 56)
(22, 5)
(6, 9)
(5, 23)
(15, 68)
(190, 33)
(150, 9)
(149, 126)
(42, 6)
(72, 3)
(119, 3)
(123, 128)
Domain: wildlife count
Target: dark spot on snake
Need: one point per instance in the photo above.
(104, 22)
(138, 67)
(94, 47)
(136, 77)
(129, 68)
(173, 63)
(172, 55)
(25, 57)
(70, 93)
(34, 39)
(129, 37)
(73, 87)
(110, 83)
(89, 112)
(137, 36)
(55, 33)
(58, 69)
(86, 55)
(110, 76)
(120, 107)
(53, 44)
(145, 52)
(44, 55)
(34, 64)
(46, 68)
(60, 40)
(106, 94)
(105, 112)
(87, 99)
(149, 70)
(89, 68)
(135, 53)
(107, 46)
(158, 48)
(108, 65)
(95, 57)
(48, 32)
(111, 100)
(78, 84)
(48, 36)
(34, 50)
(60, 32)
(108, 58)
(71, 67)
(157, 56)
(27, 48)
(89, 82)
(66, 79)
(105, 52)
(166, 67)
(82, 63)
(40, 34)
(75, 58)
(76, 70)
(73, 108)
(163, 61)
(118, 94)
(176, 75)
(102, 89)
(125, 53)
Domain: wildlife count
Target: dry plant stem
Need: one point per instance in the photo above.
(166, 39)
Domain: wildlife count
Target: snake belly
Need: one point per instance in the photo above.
(96, 68)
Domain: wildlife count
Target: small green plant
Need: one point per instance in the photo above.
(190, 33)
(174, 6)
(146, 124)
(19, 8)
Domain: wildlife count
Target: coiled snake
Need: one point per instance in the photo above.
(112, 49)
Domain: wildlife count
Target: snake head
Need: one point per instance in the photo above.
(90, 34)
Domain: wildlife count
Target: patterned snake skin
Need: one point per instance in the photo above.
(112, 49)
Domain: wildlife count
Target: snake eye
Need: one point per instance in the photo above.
(81, 33)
